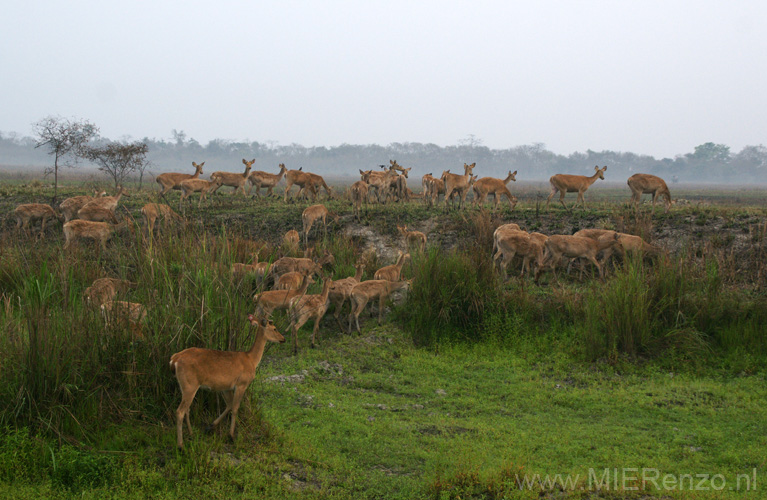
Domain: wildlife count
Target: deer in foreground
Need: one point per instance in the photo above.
(648, 184)
(364, 292)
(497, 187)
(272, 300)
(201, 186)
(227, 372)
(566, 183)
(359, 194)
(154, 211)
(106, 202)
(76, 230)
(105, 290)
(527, 246)
(392, 272)
(259, 179)
(31, 212)
(341, 290)
(574, 247)
(305, 307)
(501, 232)
(170, 180)
(413, 239)
(237, 181)
(294, 279)
(312, 214)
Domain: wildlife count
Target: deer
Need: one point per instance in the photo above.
(105, 290)
(380, 181)
(392, 272)
(201, 186)
(458, 183)
(573, 247)
(414, 240)
(501, 232)
(96, 214)
(359, 194)
(239, 271)
(437, 188)
(364, 292)
(107, 202)
(154, 211)
(71, 206)
(170, 181)
(126, 314)
(294, 279)
(236, 181)
(287, 264)
(291, 241)
(31, 212)
(76, 230)
(259, 179)
(272, 300)
(525, 245)
(648, 184)
(566, 183)
(497, 187)
(398, 190)
(633, 245)
(305, 307)
(227, 372)
(317, 182)
(305, 181)
(426, 183)
(312, 214)
(341, 289)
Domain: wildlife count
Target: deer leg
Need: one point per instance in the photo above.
(551, 195)
(228, 395)
(239, 392)
(181, 412)
(314, 330)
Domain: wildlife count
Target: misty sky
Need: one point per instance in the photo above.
(651, 77)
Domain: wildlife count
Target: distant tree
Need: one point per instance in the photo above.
(65, 140)
(712, 153)
(119, 160)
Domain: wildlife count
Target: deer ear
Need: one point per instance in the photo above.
(264, 322)
(244, 162)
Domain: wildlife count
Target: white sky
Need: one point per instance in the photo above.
(651, 77)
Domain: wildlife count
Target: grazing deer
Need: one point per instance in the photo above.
(341, 290)
(170, 181)
(312, 214)
(239, 271)
(201, 186)
(633, 245)
(107, 202)
(227, 372)
(259, 179)
(236, 181)
(566, 183)
(71, 206)
(305, 307)
(458, 183)
(105, 290)
(392, 272)
(291, 241)
(497, 187)
(96, 214)
(573, 247)
(317, 182)
(359, 192)
(272, 300)
(525, 245)
(648, 184)
(413, 239)
(364, 292)
(76, 230)
(153, 211)
(287, 264)
(31, 212)
(131, 315)
(501, 232)
(294, 279)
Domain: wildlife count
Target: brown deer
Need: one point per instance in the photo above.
(630, 244)
(312, 214)
(413, 239)
(107, 202)
(497, 187)
(154, 211)
(317, 182)
(437, 187)
(236, 181)
(305, 181)
(291, 241)
(287, 264)
(272, 300)
(458, 183)
(170, 181)
(648, 184)
(259, 179)
(501, 232)
(76, 230)
(96, 214)
(259, 269)
(31, 212)
(105, 290)
(359, 194)
(294, 279)
(573, 247)
(566, 183)
(119, 313)
(426, 181)
(392, 272)
(364, 292)
(227, 372)
(71, 206)
(525, 245)
(341, 290)
(380, 181)
(190, 186)
(305, 307)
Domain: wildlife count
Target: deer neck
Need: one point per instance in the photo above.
(508, 179)
(257, 351)
(358, 274)
(196, 174)
(592, 179)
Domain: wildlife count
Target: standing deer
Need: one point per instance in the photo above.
(566, 183)
(201, 186)
(237, 181)
(413, 239)
(96, 214)
(302, 180)
(75, 230)
(313, 213)
(169, 181)
(107, 202)
(31, 212)
(648, 184)
(359, 192)
(380, 181)
(227, 372)
(291, 240)
(496, 187)
(392, 272)
(105, 290)
(364, 292)
(305, 307)
(341, 290)
(153, 211)
(259, 179)
(272, 300)
(527, 246)
(458, 183)
(574, 247)
(71, 206)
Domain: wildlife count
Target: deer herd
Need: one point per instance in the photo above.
(284, 283)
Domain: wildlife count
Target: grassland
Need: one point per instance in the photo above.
(464, 392)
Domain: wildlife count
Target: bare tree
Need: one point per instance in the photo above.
(65, 139)
(119, 160)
